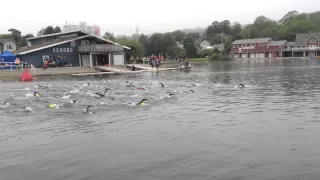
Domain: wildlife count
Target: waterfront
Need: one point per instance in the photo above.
(267, 130)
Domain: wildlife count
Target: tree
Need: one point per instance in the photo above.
(179, 35)
(48, 30)
(194, 36)
(189, 46)
(109, 35)
(143, 40)
(168, 40)
(16, 36)
(57, 29)
(41, 31)
(155, 45)
(288, 16)
(24, 41)
(134, 45)
(236, 28)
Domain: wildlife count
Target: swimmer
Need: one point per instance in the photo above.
(53, 106)
(42, 86)
(101, 95)
(142, 88)
(141, 103)
(88, 110)
(106, 90)
(191, 91)
(36, 94)
(162, 85)
(241, 86)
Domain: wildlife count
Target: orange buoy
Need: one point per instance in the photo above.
(25, 76)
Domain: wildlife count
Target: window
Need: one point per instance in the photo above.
(261, 44)
(9, 46)
(235, 46)
(43, 40)
(312, 41)
(73, 44)
(243, 45)
(56, 38)
(45, 58)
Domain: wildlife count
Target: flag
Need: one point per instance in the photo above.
(65, 25)
(95, 30)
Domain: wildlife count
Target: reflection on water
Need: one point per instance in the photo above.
(267, 130)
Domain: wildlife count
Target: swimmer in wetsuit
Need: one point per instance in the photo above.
(141, 103)
(36, 94)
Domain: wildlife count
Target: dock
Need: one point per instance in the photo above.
(92, 74)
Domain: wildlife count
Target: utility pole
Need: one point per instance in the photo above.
(137, 32)
(222, 36)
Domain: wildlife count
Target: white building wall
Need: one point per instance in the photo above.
(9, 43)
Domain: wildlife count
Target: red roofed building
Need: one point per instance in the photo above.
(259, 48)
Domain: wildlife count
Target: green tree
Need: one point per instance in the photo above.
(236, 28)
(24, 41)
(109, 35)
(179, 35)
(48, 30)
(143, 40)
(16, 36)
(134, 45)
(155, 44)
(57, 29)
(189, 46)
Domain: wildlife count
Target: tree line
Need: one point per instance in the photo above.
(183, 43)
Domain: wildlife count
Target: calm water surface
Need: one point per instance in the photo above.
(268, 130)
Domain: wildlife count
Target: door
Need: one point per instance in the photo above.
(252, 55)
(118, 60)
(85, 60)
(261, 55)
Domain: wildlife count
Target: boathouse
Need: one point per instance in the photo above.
(307, 45)
(74, 48)
(257, 48)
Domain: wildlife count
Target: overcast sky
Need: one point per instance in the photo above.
(123, 16)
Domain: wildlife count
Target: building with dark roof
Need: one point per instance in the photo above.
(306, 45)
(257, 48)
(74, 47)
(7, 44)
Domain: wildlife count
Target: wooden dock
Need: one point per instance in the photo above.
(92, 74)
(140, 67)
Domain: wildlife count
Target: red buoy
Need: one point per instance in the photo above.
(25, 76)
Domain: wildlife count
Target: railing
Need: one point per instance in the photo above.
(33, 69)
(10, 65)
(99, 48)
(305, 48)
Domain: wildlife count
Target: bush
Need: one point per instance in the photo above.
(214, 56)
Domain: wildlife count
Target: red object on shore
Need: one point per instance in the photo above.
(25, 76)
(140, 89)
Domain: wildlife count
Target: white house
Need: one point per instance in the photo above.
(7, 44)
(204, 44)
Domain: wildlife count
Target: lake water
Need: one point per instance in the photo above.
(268, 130)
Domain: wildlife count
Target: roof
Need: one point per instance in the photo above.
(290, 44)
(54, 34)
(29, 49)
(251, 41)
(218, 46)
(301, 39)
(277, 43)
(3, 40)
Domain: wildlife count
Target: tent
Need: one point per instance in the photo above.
(7, 56)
